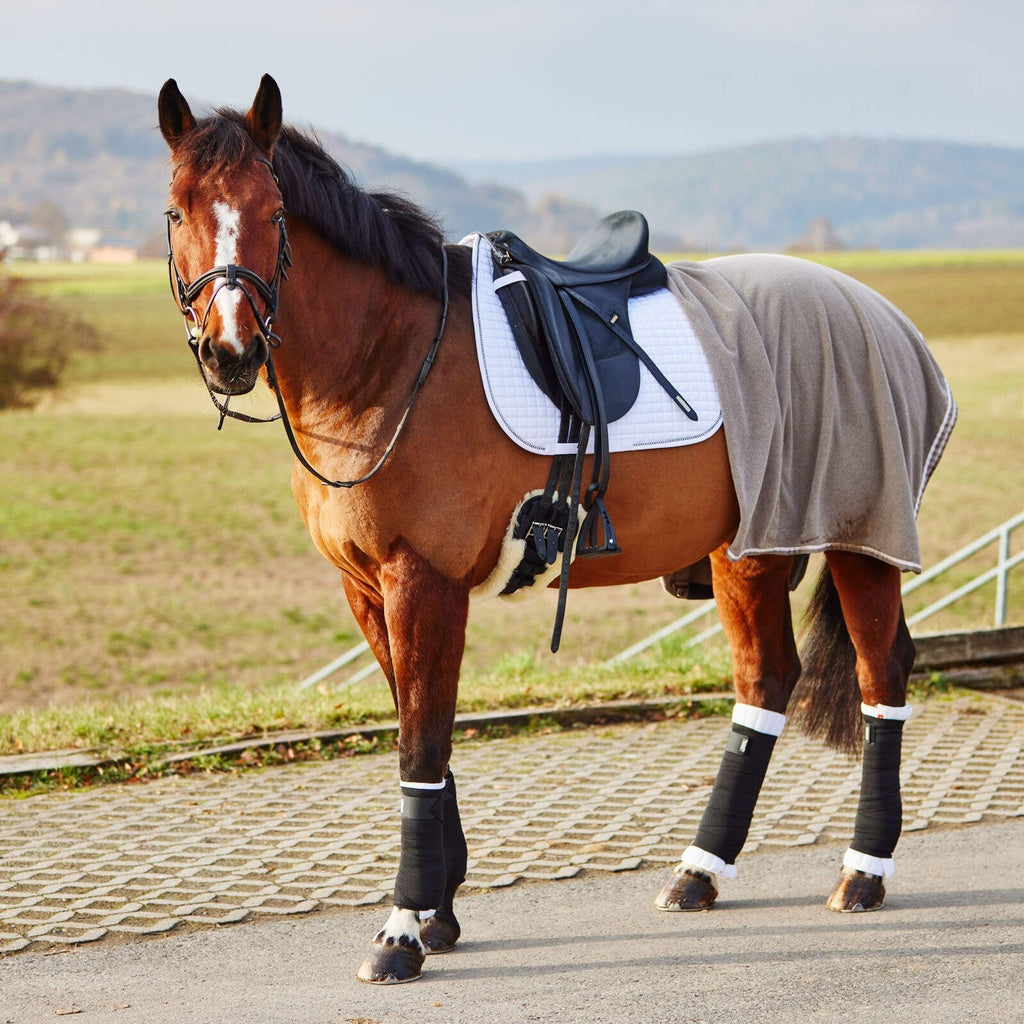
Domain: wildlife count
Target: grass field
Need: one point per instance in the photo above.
(156, 581)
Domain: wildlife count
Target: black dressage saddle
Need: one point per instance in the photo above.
(570, 317)
(570, 320)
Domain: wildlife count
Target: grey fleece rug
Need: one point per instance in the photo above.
(835, 412)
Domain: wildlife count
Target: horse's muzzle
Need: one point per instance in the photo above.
(228, 370)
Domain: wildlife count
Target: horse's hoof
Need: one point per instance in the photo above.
(439, 934)
(391, 965)
(856, 892)
(688, 890)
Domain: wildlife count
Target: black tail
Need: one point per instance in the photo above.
(826, 702)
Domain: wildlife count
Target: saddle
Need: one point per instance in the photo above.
(570, 320)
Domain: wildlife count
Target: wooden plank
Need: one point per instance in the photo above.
(939, 651)
(984, 677)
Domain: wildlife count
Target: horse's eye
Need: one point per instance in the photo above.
(278, 217)
(173, 215)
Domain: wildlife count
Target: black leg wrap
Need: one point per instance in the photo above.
(420, 883)
(726, 822)
(455, 852)
(880, 810)
(441, 932)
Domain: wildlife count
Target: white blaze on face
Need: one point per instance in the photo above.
(228, 299)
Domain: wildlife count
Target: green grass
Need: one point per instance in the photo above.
(133, 313)
(157, 584)
(871, 260)
(213, 713)
(953, 300)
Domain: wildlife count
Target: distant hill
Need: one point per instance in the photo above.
(98, 155)
(95, 155)
(884, 193)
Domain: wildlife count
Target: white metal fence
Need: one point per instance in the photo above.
(999, 572)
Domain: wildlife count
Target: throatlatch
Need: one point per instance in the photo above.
(879, 819)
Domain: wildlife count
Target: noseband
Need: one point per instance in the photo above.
(231, 277)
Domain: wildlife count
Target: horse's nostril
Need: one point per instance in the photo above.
(259, 349)
(207, 355)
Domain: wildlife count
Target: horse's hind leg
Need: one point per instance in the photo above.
(869, 593)
(753, 604)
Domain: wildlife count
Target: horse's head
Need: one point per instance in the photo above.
(225, 229)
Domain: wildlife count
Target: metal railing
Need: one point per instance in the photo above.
(999, 572)
(339, 663)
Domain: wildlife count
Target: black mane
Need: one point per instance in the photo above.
(379, 228)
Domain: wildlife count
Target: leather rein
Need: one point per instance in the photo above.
(233, 276)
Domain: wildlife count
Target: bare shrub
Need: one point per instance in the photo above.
(37, 337)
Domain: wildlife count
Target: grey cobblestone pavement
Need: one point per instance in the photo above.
(214, 849)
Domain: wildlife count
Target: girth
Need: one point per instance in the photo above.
(570, 320)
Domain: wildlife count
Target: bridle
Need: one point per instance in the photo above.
(232, 276)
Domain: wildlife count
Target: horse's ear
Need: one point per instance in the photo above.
(264, 118)
(175, 116)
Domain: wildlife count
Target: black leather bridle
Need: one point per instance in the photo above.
(232, 276)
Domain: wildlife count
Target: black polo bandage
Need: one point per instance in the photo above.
(880, 810)
(726, 821)
(420, 882)
(455, 853)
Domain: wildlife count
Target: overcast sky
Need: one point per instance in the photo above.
(448, 80)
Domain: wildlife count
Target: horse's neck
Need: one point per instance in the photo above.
(350, 341)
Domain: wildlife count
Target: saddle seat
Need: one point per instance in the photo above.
(616, 247)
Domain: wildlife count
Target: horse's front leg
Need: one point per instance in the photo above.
(424, 614)
(753, 603)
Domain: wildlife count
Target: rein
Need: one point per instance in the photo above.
(231, 277)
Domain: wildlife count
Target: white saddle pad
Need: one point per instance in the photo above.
(529, 417)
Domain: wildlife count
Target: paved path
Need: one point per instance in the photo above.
(593, 809)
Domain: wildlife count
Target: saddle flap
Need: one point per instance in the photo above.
(595, 370)
(514, 293)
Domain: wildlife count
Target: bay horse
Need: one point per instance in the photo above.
(359, 318)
